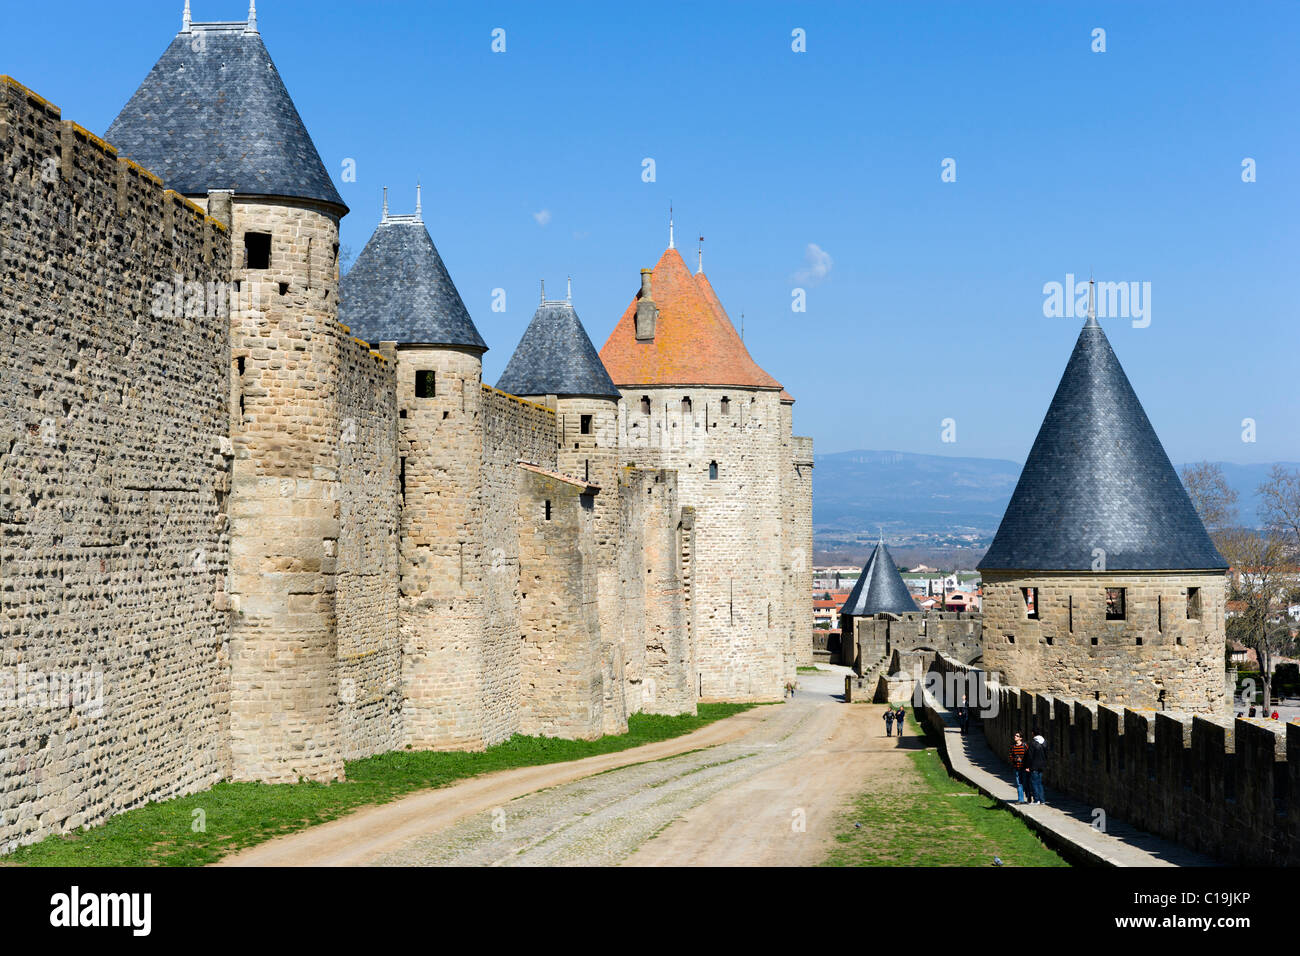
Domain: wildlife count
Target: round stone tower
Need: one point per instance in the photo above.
(1101, 583)
(214, 120)
(399, 294)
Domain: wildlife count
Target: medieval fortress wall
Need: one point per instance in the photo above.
(114, 473)
(271, 547)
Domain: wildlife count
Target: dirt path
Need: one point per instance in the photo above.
(728, 794)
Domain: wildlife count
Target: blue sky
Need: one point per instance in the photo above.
(1126, 162)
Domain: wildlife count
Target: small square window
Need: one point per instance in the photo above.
(1115, 604)
(586, 424)
(425, 384)
(257, 250)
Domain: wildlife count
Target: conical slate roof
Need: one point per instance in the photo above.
(880, 588)
(694, 344)
(213, 113)
(398, 290)
(555, 357)
(1098, 478)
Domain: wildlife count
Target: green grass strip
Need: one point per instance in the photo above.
(933, 819)
(240, 815)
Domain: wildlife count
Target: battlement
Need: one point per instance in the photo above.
(1229, 788)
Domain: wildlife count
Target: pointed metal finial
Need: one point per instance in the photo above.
(419, 212)
(670, 227)
(252, 17)
(1092, 307)
(185, 18)
(385, 217)
(543, 291)
(699, 265)
(568, 296)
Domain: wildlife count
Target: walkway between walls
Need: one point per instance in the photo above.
(1064, 823)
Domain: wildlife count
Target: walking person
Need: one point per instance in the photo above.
(1036, 762)
(898, 719)
(889, 722)
(1018, 750)
(963, 715)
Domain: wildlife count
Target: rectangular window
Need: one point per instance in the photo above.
(1030, 596)
(645, 405)
(548, 509)
(1193, 604)
(425, 384)
(257, 250)
(586, 424)
(1115, 610)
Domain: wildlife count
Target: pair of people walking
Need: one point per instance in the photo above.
(1028, 761)
(892, 717)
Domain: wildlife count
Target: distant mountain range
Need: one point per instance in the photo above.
(934, 502)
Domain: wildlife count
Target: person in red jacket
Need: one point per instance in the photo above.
(1017, 759)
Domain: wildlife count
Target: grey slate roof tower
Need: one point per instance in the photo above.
(398, 290)
(880, 588)
(213, 113)
(1097, 477)
(555, 357)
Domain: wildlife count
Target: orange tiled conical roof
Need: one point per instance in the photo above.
(694, 344)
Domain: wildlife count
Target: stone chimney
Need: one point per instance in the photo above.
(646, 313)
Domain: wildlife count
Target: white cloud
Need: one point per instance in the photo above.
(542, 217)
(817, 265)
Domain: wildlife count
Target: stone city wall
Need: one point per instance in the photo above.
(113, 480)
(515, 430)
(562, 689)
(369, 638)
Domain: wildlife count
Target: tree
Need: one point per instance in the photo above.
(1260, 572)
(1215, 500)
(1280, 505)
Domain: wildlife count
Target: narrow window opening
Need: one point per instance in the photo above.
(1030, 596)
(257, 250)
(1094, 641)
(1071, 613)
(1193, 604)
(284, 288)
(425, 384)
(402, 413)
(726, 405)
(1160, 614)
(713, 471)
(645, 404)
(1115, 610)
(1139, 642)
(401, 477)
(548, 509)
(585, 424)
(686, 405)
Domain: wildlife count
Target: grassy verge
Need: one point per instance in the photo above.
(932, 819)
(808, 669)
(239, 815)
